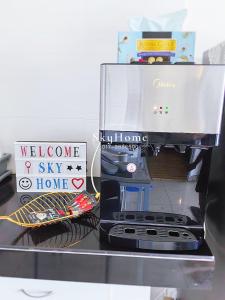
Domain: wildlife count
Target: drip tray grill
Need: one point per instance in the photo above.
(153, 218)
(153, 237)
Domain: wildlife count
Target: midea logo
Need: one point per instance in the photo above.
(158, 83)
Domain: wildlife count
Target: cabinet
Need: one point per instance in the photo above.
(23, 289)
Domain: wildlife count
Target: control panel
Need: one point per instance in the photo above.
(162, 109)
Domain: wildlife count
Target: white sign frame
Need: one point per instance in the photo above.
(51, 166)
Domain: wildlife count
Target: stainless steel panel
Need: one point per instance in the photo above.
(162, 98)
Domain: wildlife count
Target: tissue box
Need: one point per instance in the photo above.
(156, 47)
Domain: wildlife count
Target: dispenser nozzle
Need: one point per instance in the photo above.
(156, 150)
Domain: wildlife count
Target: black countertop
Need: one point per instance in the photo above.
(72, 251)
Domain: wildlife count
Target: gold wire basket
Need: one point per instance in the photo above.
(65, 234)
(51, 208)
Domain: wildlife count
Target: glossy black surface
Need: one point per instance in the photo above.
(167, 185)
(33, 254)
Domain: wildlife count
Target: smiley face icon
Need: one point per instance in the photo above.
(25, 183)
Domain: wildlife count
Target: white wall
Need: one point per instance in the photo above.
(50, 52)
(206, 17)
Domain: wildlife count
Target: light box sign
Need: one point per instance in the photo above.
(50, 167)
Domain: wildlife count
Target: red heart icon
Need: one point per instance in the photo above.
(77, 182)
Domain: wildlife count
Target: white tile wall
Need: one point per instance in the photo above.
(50, 53)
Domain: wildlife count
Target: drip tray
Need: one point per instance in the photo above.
(153, 237)
(154, 218)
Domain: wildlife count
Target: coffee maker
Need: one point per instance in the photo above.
(159, 125)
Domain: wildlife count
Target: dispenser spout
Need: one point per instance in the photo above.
(156, 150)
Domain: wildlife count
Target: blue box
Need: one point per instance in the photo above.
(150, 47)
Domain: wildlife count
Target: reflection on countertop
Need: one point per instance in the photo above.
(71, 250)
(65, 234)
